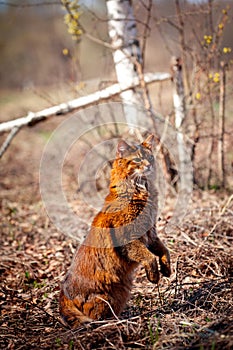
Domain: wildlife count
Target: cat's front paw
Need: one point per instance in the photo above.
(152, 271)
(165, 267)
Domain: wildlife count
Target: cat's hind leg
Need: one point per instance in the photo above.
(81, 310)
(99, 307)
(70, 310)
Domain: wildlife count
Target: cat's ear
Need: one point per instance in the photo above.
(122, 148)
(149, 142)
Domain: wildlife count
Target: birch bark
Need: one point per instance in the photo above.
(222, 107)
(179, 107)
(126, 53)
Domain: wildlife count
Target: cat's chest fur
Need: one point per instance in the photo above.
(130, 208)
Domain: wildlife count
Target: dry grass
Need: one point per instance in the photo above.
(192, 310)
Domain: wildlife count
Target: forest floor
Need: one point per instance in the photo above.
(191, 310)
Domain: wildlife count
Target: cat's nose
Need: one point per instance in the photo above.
(148, 167)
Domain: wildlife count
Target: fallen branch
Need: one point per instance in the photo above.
(81, 102)
(8, 140)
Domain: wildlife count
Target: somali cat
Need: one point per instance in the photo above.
(122, 236)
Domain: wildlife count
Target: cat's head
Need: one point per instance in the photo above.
(136, 161)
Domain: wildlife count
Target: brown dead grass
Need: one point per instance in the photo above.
(191, 310)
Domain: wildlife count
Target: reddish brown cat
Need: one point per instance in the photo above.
(122, 236)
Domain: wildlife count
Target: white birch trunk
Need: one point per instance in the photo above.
(179, 107)
(124, 40)
(222, 107)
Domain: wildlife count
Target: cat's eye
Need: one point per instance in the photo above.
(137, 160)
(151, 158)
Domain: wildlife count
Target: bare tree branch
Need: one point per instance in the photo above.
(84, 32)
(8, 140)
(43, 3)
(146, 31)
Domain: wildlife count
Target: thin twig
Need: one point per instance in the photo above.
(37, 4)
(109, 307)
(146, 32)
